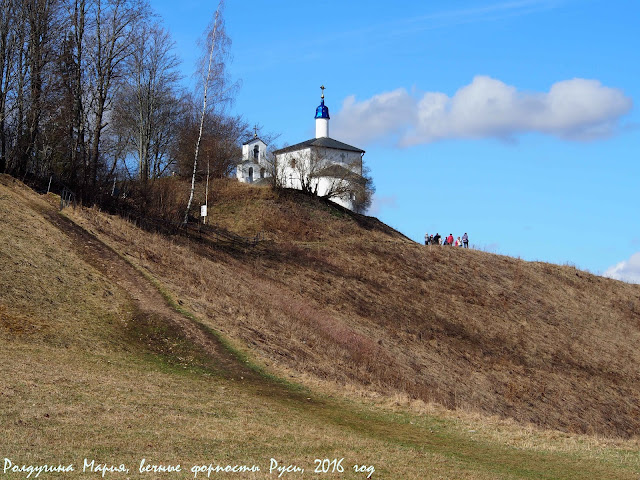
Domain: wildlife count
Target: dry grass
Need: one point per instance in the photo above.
(48, 294)
(539, 343)
(77, 380)
(74, 383)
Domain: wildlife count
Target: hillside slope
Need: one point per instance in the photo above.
(98, 362)
(345, 299)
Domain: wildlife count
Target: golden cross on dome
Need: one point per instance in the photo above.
(322, 88)
(255, 131)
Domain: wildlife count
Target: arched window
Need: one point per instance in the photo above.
(256, 152)
(262, 172)
(250, 174)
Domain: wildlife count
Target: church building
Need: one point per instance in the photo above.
(253, 166)
(322, 165)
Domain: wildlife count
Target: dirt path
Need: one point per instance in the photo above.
(147, 300)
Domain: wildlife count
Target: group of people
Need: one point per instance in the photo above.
(454, 242)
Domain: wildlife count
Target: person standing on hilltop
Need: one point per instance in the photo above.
(465, 240)
(436, 239)
(450, 239)
(426, 239)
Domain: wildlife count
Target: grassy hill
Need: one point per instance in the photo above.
(344, 298)
(119, 344)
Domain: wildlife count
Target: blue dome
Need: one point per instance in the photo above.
(322, 111)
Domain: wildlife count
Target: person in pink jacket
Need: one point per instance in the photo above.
(450, 239)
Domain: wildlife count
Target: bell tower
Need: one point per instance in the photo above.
(322, 118)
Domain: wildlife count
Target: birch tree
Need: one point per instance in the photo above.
(216, 92)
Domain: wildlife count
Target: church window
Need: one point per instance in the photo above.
(256, 152)
(292, 163)
(262, 172)
(250, 174)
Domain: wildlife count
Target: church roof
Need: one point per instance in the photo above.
(319, 142)
(322, 111)
(253, 139)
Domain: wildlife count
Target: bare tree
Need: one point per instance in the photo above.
(8, 45)
(80, 25)
(112, 41)
(213, 84)
(61, 63)
(363, 190)
(149, 100)
(15, 82)
(220, 143)
(38, 36)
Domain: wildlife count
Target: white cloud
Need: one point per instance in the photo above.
(627, 270)
(576, 109)
(382, 115)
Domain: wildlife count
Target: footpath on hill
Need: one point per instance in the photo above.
(150, 305)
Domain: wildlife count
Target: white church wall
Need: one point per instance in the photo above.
(242, 173)
(251, 168)
(292, 166)
(248, 150)
(325, 184)
(306, 162)
(350, 160)
(251, 172)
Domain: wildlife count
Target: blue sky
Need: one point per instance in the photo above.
(515, 121)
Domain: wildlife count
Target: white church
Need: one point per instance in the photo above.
(253, 168)
(321, 165)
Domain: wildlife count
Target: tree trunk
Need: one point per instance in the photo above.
(78, 150)
(204, 111)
